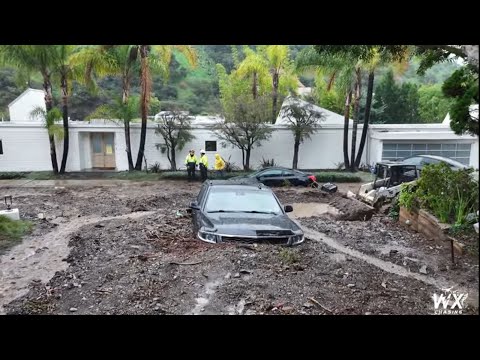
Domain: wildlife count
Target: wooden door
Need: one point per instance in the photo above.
(103, 151)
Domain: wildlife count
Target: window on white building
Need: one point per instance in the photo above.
(455, 151)
(1, 148)
(210, 146)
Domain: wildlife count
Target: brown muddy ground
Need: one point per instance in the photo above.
(130, 250)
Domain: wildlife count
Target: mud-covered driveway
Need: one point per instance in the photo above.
(129, 249)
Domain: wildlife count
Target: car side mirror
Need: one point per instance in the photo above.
(288, 208)
(194, 205)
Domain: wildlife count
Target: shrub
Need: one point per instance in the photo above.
(448, 194)
(408, 196)
(267, 163)
(339, 177)
(155, 168)
(289, 256)
(11, 175)
(394, 211)
(11, 231)
(230, 166)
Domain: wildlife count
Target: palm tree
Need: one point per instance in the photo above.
(280, 68)
(117, 60)
(348, 63)
(65, 71)
(34, 58)
(156, 58)
(254, 66)
(342, 71)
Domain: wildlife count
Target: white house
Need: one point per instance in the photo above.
(100, 144)
(22, 106)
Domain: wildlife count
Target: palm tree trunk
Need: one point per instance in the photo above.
(356, 109)
(366, 118)
(275, 83)
(126, 123)
(296, 147)
(66, 138)
(348, 100)
(145, 98)
(47, 88)
(128, 144)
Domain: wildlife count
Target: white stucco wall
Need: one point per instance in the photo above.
(26, 146)
(23, 105)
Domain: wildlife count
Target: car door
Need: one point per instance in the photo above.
(273, 177)
(292, 177)
(195, 212)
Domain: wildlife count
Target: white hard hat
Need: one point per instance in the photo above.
(202, 151)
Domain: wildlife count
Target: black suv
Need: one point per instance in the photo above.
(239, 210)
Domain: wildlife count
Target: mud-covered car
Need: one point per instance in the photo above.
(242, 211)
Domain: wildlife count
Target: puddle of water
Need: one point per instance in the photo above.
(305, 210)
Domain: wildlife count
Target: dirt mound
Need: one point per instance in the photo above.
(160, 201)
(349, 209)
(352, 209)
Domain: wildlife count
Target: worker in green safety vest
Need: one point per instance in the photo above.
(191, 162)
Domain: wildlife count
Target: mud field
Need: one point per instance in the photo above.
(130, 250)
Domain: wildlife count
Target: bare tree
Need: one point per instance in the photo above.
(245, 125)
(303, 120)
(175, 128)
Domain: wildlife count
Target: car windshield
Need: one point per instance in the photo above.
(242, 200)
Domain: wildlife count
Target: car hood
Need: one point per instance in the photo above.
(249, 224)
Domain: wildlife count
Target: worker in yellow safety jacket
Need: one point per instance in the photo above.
(203, 164)
(191, 162)
(219, 165)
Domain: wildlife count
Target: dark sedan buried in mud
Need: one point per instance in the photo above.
(280, 176)
(242, 211)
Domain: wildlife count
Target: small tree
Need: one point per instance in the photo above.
(175, 128)
(303, 121)
(245, 125)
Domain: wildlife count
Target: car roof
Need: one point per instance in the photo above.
(280, 168)
(247, 182)
(440, 158)
(391, 163)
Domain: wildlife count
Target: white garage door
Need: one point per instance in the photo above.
(456, 151)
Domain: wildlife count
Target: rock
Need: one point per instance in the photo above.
(99, 225)
(368, 313)
(228, 276)
(73, 309)
(237, 275)
(307, 305)
(41, 216)
(244, 271)
(351, 285)
(287, 308)
(423, 269)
